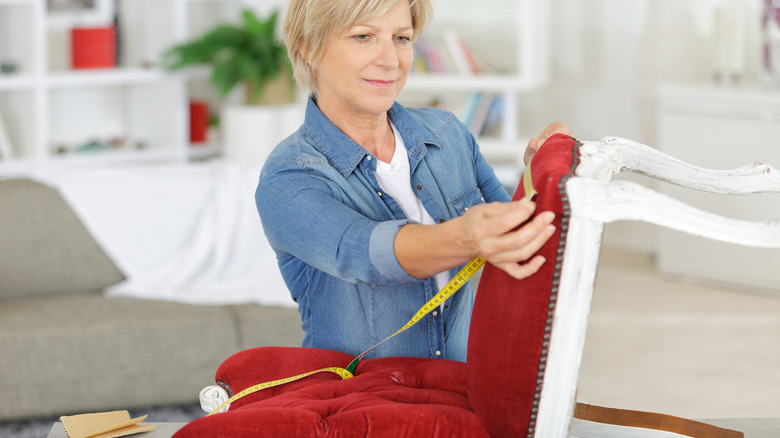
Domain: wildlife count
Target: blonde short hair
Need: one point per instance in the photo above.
(309, 24)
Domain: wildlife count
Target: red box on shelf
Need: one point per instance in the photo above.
(199, 121)
(93, 47)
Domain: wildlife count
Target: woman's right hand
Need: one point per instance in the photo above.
(494, 232)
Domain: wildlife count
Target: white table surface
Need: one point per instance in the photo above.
(164, 430)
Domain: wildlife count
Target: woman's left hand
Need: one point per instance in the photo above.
(536, 142)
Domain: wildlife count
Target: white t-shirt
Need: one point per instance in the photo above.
(395, 179)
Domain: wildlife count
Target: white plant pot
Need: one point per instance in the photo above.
(250, 132)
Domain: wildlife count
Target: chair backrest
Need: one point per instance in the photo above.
(512, 321)
(527, 336)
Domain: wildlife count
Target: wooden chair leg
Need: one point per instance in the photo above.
(650, 420)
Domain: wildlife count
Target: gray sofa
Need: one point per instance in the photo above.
(65, 348)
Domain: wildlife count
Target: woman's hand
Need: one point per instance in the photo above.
(535, 143)
(493, 232)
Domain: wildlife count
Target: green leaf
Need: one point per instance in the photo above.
(245, 52)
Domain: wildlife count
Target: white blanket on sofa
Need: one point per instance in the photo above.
(187, 233)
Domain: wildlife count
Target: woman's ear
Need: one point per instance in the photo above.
(304, 54)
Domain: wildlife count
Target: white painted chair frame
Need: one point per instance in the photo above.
(595, 200)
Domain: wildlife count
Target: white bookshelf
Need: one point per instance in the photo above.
(511, 35)
(46, 106)
(18, 82)
(45, 103)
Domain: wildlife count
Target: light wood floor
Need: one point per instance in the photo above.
(679, 348)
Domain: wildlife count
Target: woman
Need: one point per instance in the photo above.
(370, 206)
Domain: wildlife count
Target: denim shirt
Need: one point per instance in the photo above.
(333, 228)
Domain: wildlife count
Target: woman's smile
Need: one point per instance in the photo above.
(381, 83)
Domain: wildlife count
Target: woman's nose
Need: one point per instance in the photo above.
(388, 55)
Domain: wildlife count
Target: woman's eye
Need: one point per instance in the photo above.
(403, 39)
(361, 37)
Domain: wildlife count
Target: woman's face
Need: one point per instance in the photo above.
(364, 69)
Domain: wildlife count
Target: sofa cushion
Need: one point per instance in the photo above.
(44, 248)
(258, 325)
(78, 353)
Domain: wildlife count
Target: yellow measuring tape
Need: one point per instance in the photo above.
(461, 278)
(528, 182)
(447, 291)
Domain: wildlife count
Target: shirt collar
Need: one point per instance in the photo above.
(344, 154)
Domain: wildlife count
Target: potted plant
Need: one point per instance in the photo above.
(249, 54)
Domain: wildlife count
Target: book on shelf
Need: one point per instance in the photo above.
(462, 57)
(445, 53)
(480, 112)
(491, 125)
(477, 122)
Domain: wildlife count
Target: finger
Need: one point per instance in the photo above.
(554, 128)
(535, 143)
(521, 244)
(533, 146)
(498, 208)
(523, 253)
(501, 217)
(525, 270)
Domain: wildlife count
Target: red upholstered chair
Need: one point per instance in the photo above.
(526, 337)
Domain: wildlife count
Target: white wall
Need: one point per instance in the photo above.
(608, 58)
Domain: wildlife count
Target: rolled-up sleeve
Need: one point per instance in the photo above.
(382, 253)
(304, 216)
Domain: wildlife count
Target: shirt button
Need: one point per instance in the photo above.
(434, 313)
(379, 193)
(368, 157)
(441, 221)
(419, 186)
(466, 209)
(438, 352)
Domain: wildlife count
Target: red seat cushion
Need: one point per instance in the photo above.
(392, 397)
(494, 394)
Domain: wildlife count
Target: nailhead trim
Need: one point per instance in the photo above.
(541, 366)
